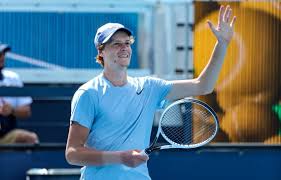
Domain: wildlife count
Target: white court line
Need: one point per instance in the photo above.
(36, 62)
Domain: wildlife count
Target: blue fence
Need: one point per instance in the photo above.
(59, 38)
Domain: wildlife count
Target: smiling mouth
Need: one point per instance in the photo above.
(124, 56)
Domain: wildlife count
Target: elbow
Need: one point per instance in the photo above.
(69, 156)
(207, 91)
(204, 88)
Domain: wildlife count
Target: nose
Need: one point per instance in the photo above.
(125, 45)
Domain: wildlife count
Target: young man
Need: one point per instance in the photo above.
(12, 108)
(112, 114)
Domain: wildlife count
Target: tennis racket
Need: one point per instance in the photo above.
(186, 123)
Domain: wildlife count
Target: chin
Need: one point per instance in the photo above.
(125, 62)
(125, 65)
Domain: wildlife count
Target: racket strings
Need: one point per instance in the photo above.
(188, 124)
(172, 126)
(203, 125)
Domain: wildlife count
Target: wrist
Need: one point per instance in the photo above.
(223, 43)
(112, 157)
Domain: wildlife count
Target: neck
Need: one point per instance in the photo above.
(116, 78)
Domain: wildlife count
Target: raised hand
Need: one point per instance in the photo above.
(224, 29)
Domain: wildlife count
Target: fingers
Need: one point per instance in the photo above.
(233, 21)
(228, 15)
(221, 13)
(225, 15)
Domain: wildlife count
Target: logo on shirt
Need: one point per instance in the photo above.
(139, 92)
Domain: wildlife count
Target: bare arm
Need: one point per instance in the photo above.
(77, 154)
(22, 111)
(19, 112)
(205, 82)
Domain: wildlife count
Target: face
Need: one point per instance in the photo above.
(2, 60)
(117, 52)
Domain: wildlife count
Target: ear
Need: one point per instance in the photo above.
(100, 52)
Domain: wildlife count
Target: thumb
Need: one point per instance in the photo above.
(212, 27)
(142, 156)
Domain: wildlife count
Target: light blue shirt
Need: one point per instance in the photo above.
(119, 118)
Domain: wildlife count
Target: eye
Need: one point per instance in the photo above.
(120, 44)
(117, 44)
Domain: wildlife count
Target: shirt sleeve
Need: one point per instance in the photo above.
(160, 89)
(83, 108)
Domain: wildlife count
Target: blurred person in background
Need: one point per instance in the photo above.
(112, 114)
(12, 108)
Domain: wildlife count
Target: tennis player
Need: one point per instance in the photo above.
(112, 114)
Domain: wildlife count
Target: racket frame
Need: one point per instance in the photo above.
(172, 144)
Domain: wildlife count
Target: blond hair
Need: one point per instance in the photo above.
(99, 58)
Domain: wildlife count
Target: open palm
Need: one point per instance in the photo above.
(224, 29)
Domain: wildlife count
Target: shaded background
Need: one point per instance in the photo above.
(247, 94)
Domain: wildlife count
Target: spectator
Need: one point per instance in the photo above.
(12, 108)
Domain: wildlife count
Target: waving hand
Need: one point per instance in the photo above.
(224, 29)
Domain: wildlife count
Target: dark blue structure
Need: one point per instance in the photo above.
(220, 163)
